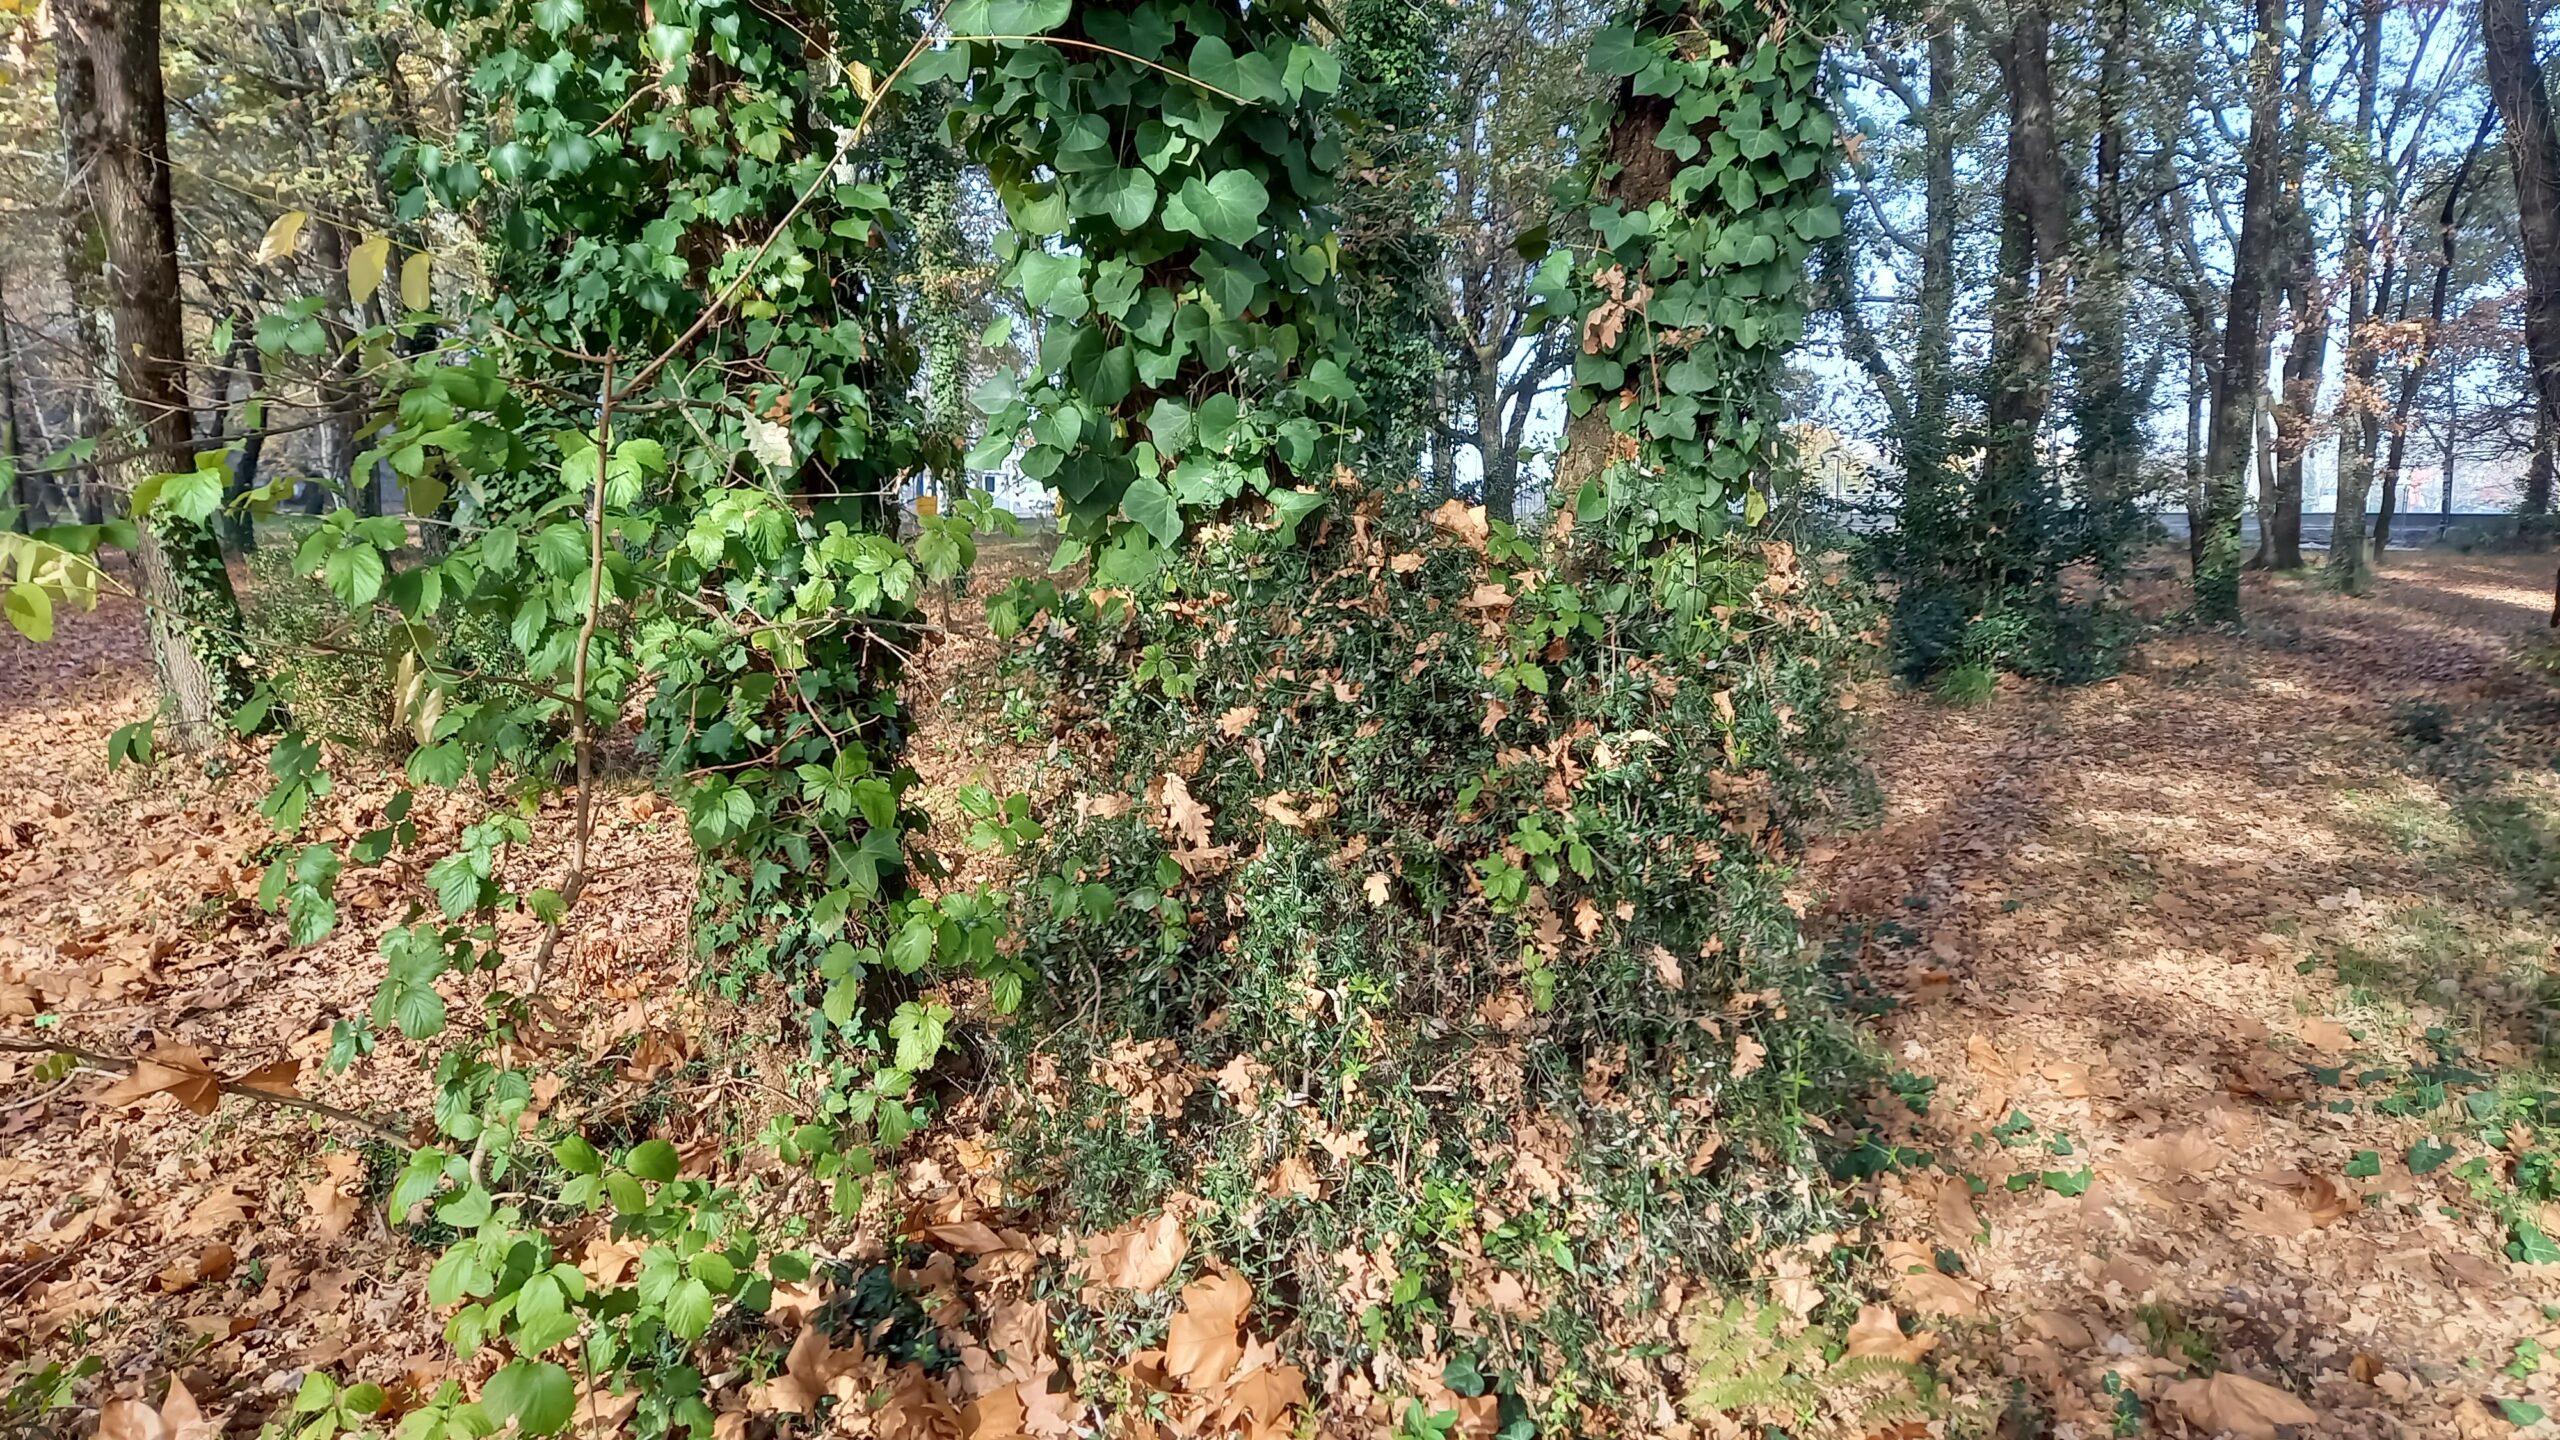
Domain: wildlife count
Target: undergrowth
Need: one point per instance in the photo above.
(1465, 1028)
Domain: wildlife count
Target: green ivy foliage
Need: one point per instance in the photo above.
(1165, 168)
(1709, 187)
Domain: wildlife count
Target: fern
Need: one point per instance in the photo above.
(1741, 1364)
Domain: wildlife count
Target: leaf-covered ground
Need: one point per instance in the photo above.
(2219, 993)
(2223, 989)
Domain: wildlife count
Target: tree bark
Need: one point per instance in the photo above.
(2236, 385)
(2448, 218)
(194, 618)
(2349, 566)
(2025, 315)
(2523, 101)
(84, 285)
(246, 371)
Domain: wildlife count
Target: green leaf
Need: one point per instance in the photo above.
(2520, 1412)
(1229, 207)
(654, 1160)
(577, 1156)
(354, 573)
(1128, 196)
(1149, 504)
(1616, 52)
(689, 1310)
(2531, 1246)
(538, 1396)
(31, 611)
(2426, 1156)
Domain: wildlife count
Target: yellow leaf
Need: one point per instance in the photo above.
(365, 266)
(415, 293)
(282, 236)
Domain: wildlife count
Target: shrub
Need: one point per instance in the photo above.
(1451, 995)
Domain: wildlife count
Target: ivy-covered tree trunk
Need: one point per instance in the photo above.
(2237, 382)
(1393, 55)
(194, 617)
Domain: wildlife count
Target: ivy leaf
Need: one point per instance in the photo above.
(1151, 506)
(1128, 196)
(2531, 1246)
(1312, 67)
(538, 1396)
(1616, 52)
(1229, 207)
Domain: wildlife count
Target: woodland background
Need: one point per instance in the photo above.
(1165, 718)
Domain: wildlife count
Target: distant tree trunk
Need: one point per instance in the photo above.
(2024, 315)
(2537, 475)
(2108, 421)
(246, 371)
(2235, 388)
(1933, 357)
(2199, 514)
(2308, 360)
(84, 258)
(26, 494)
(2533, 148)
(338, 399)
(2349, 566)
(2448, 217)
(194, 618)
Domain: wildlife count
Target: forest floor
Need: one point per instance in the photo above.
(2220, 994)
(2223, 992)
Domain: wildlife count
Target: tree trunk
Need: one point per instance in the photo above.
(2236, 387)
(194, 618)
(2533, 148)
(1933, 358)
(1500, 465)
(2448, 218)
(2024, 315)
(247, 371)
(23, 485)
(84, 258)
(338, 400)
(2349, 566)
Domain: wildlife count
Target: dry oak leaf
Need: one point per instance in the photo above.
(1238, 720)
(1917, 1280)
(996, 1415)
(1463, 521)
(917, 1409)
(1878, 1332)
(2238, 1404)
(1748, 1055)
(968, 1237)
(221, 1208)
(176, 1419)
(210, 1265)
(1200, 1347)
(1376, 887)
(2186, 1153)
(1138, 1256)
(1955, 1222)
(333, 1206)
(2326, 1035)
(176, 1071)
(814, 1369)
(1265, 1395)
